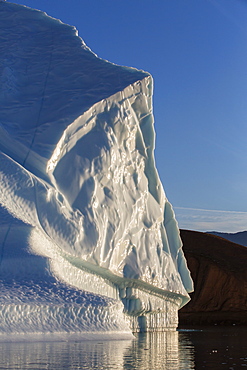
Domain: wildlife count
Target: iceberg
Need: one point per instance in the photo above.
(89, 241)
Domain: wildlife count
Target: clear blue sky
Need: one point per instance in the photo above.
(196, 51)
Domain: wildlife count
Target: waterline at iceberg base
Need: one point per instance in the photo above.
(89, 241)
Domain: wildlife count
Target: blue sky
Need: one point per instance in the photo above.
(196, 51)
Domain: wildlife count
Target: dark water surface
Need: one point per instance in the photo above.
(210, 348)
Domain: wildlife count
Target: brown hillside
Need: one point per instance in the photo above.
(219, 271)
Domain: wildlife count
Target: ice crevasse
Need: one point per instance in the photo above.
(87, 234)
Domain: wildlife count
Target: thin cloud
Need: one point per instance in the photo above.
(211, 220)
(226, 13)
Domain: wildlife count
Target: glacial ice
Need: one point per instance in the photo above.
(83, 208)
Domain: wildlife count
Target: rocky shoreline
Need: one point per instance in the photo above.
(218, 269)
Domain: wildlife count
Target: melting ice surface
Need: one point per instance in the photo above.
(87, 234)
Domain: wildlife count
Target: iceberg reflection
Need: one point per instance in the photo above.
(154, 351)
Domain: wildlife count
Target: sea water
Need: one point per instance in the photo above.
(186, 349)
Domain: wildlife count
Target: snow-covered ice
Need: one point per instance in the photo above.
(83, 208)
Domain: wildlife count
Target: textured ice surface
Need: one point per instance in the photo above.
(77, 166)
(32, 299)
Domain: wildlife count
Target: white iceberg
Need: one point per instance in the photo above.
(83, 208)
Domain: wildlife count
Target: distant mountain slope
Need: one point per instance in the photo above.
(218, 268)
(239, 238)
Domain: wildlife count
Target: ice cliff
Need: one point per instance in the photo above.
(79, 185)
